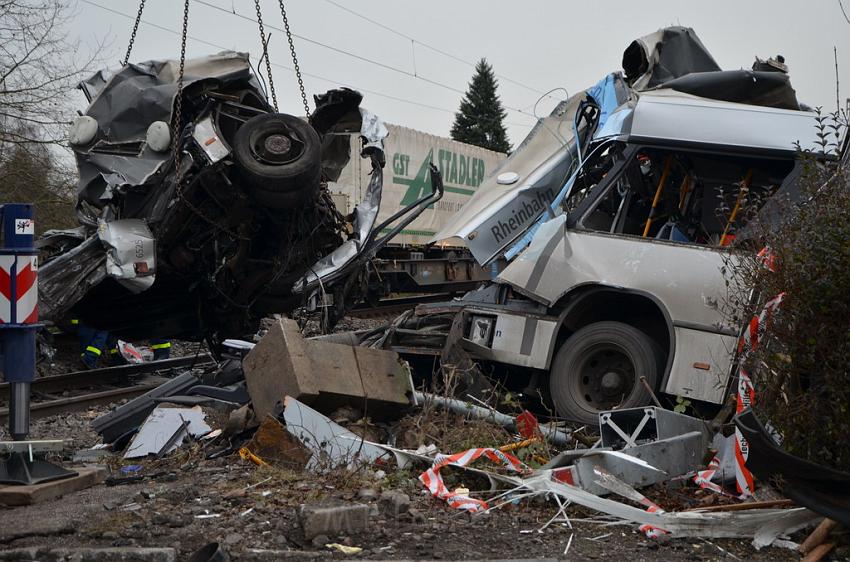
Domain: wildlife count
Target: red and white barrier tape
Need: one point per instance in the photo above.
(747, 344)
(650, 531)
(434, 482)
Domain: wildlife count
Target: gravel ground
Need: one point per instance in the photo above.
(194, 501)
(255, 508)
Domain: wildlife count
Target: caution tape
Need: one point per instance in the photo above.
(703, 478)
(434, 482)
(747, 344)
(650, 531)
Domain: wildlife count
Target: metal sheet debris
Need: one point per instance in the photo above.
(130, 252)
(157, 434)
(764, 524)
(331, 444)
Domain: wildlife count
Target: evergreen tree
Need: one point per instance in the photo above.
(480, 120)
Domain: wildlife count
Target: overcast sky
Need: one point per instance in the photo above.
(533, 45)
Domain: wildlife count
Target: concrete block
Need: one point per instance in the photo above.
(323, 375)
(277, 367)
(333, 520)
(393, 503)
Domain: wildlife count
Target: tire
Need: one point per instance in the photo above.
(279, 157)
(599, 368)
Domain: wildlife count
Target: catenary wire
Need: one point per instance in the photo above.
(355, 56)
(287, 68)
(427, 46)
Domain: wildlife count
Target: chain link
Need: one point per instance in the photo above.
(133, 34)
(177, 130)
(178, 102)
(294, 59)
(266, 52)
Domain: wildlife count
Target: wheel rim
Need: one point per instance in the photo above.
(604, 378)
(276, 147)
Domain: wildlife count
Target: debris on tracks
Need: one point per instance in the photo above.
(164, 430)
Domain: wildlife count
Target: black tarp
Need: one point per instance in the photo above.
(823, 490)
(675, 58)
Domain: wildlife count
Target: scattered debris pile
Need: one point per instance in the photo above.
(346, 405)
(310, 405)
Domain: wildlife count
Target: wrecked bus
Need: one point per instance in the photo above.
(615, 214)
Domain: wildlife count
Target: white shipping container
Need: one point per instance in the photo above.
(406, 178)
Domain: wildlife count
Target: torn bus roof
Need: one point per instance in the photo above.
(674, 94)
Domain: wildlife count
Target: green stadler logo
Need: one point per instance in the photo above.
(460, 173)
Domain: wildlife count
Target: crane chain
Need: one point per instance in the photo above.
(294, 59)
(177, 130)
(133, 33)
(178, 101)
(266, 52)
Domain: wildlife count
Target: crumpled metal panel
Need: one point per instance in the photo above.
(366, 212)
(498, 214)
(364, 219)
(665, 55)
(130, 252)
(66, 279)
(136, 96)
(671, 117)
(559, 260)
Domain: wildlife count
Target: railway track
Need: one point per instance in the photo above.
(394, 306)
(48, 393)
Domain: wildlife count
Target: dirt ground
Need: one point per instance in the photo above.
(190, 500)
(195, 501)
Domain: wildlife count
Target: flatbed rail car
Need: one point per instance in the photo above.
(407, 265)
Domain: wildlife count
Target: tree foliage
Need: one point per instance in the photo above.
(39, 67)
(29, 174)
(800, 369)
(480, 120)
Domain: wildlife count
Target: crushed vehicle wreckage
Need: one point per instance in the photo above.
(608, 216)
(206, 230)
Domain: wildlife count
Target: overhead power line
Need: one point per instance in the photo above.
(277, 65)
(354, 55)
(431, 47)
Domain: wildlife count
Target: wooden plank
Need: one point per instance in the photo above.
(28, 495)
(819, 552)
(744, 506)
(818, 536)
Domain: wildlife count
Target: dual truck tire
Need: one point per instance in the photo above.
(599, 368)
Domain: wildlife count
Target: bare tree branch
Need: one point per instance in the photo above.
(840, 5)
(39, 67)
